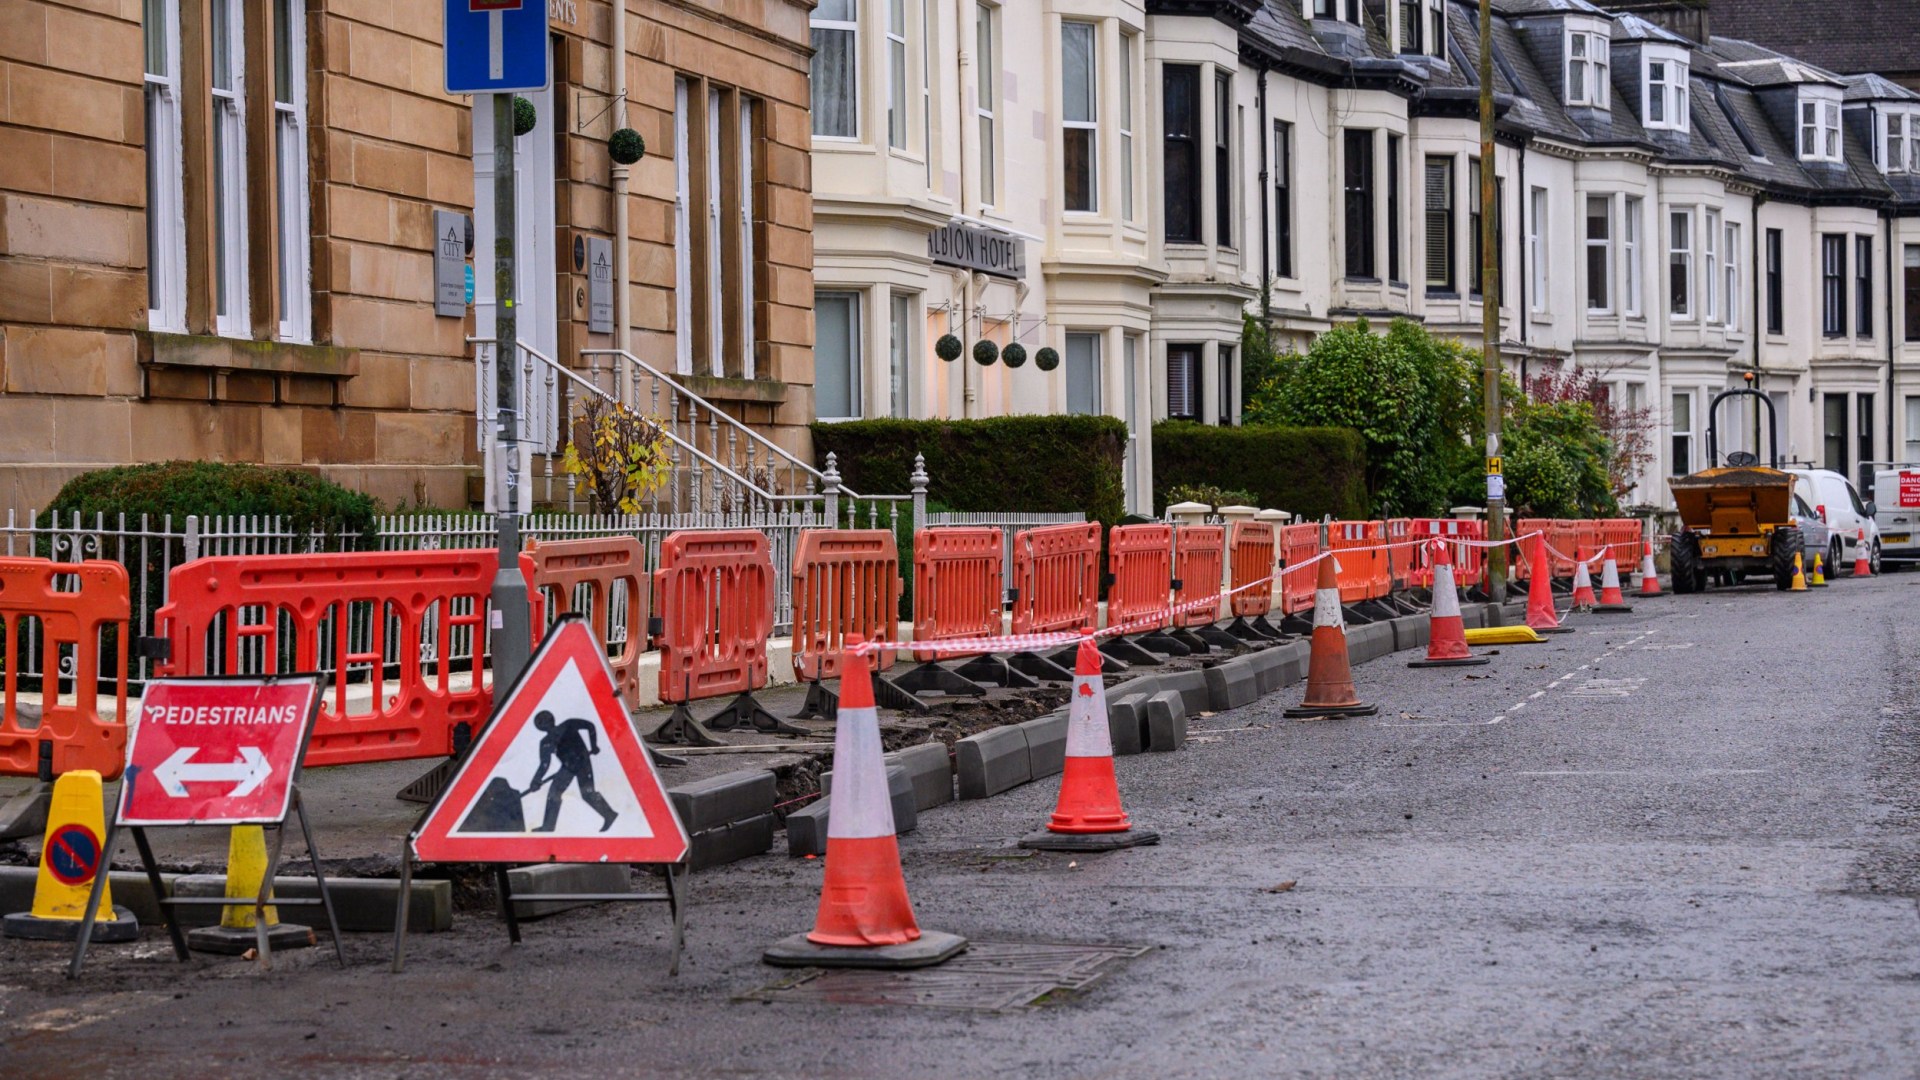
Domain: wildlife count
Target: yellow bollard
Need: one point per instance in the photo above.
(71, 856)
(238, 931)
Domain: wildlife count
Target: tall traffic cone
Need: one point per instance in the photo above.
(1649, 574)
(1446, 631)
(1582, 583)
(1818, 579)
(1799, 575)
(865, 919)
(1540, 612)
(70, 856)
(1862, 564)
(238, 930)
(1611, 598)
(1329, 674)
(1089, 816)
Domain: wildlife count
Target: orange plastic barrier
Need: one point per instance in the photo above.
(845, 581)
(580, 577)
(1402, 562)
(1140, 566)
(1625, 535)
(1298, 543)
(1056, 578)
(957, 581)
(1362, 574)
(1564, 537)
(715, 591)
(1250, 555)
(407, 628)
(1523, 554)
(71, 734)
(1199, 565)
(1469, 563)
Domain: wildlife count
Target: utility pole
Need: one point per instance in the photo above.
(1490, 365)
(511, 635)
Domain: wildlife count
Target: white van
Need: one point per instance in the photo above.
(1833, 497)
(1896, 498)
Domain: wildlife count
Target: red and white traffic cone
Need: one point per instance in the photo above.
(1649, 574)
(1541, 615)
(1611, 598)
(865, 918)
(1089, 816)
(1583, 599)
(1862, 564)
(1329, 672)
(1446, 631)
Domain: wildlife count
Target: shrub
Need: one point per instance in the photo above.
(1215, 497)
(1309, 472)
(1031, 463)
(304, 501)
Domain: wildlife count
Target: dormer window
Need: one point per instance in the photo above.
(1339, 10)
(1819, 124)
(1899, 144)
(1666, 97)
(1587, 68)
(1423, 27)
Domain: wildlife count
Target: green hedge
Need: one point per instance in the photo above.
(305, 501)
(1014, 463)
(1309, 472)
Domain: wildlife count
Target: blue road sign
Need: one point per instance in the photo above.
(496, 46)
(73, 854)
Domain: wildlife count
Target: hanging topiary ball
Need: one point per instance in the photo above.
(1014, 355)
(626, 146)
(985, 352)
(1046, 359)
(948, 348)
(524, 116)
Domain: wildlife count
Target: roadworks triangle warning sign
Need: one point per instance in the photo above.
(557, 775)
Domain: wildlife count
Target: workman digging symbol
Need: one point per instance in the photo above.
(570, 755)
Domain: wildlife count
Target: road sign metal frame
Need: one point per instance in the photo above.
(675, 896)
(296, 808)
(129, 776)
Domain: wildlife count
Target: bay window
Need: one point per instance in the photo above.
(1537, 249)
(1833, 285)
(1082, 363)
(1180, 108)
(836, 352)
(1666, 88)
(1223, 159)
(166, 215)
(1600, 254)
(1630, 253)
(1358, 182)
(1680, 265)
(1439, 222)
(1710, 264)
(1588, 63)
(1820, 124)
(1863, 286)
(834, 71)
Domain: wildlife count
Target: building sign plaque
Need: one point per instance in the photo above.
(975, 248)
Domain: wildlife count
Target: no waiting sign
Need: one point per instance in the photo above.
(221, 751)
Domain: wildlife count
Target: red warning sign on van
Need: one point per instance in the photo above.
(557, 775)
(217, 751)
(1909, 490)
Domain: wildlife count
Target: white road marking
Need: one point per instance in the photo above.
(1611, 690)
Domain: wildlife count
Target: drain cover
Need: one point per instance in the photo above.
(991, 976)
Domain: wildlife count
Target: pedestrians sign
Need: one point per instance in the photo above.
(496, 46)
(217, 751)
(558, 775)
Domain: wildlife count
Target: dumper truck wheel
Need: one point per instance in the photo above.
(1787, 542)
(1688, 575)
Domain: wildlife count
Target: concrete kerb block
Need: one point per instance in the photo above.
(732, 842)
(1046, 744)
(992, 762)
(930, 766)
(899, 792)
(807, 829)
(1232, 684)
(131, 890)
(1369, 642)
(363, 905)
(1473, 616)
(1412, 632)
(1127, 724)
(721, 800)
(1195, 697)
(528, 882)
(1166, 721)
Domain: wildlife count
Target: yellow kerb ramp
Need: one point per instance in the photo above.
(1503, 635)
(71, 856)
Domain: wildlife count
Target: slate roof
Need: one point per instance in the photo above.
(1854, 35)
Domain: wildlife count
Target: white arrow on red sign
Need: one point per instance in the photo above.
(179, 770)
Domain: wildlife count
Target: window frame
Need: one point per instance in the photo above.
(683, 225)
(900, 352)
(716, 227)
(816, 26)
(1863, 321)
(1910, 291)
(1913, 428)
(1190, 356)
(1833, 285)
(1680, 265)
(1632, 212)
(1093, 377)
(1710, 265)
(293, 243)
(1539, 210)
(749, 331)
(986, 30)
(166, 163)
(1223, 171)
(1283, 198)
(855, 303)
(1359, 213)
(898, 128)
(1186, 196)
(1604, 245)
(1671, 93)
(1731, 306)
(1395, 267)
(1437, 214)
(1776, 281)
(1819, 137)
(1091, 125)
(227, 174)
(1680, 406)
(1129, 49)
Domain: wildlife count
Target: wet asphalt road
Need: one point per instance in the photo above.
(1678, 843)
